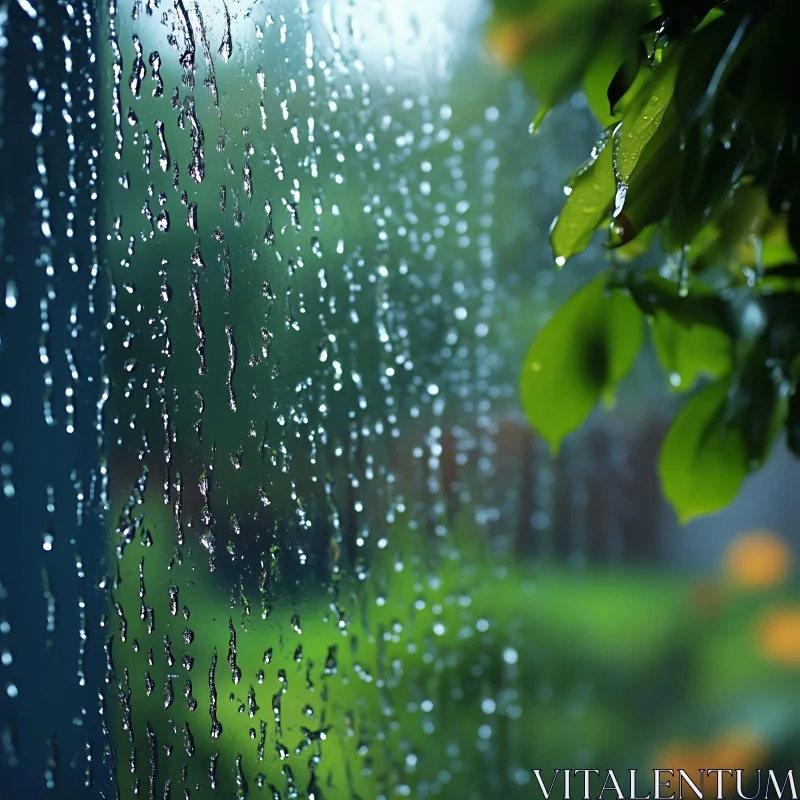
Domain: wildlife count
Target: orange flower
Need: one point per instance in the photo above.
(758, 559)
(779, 635)
(734, 749)
(738, 749)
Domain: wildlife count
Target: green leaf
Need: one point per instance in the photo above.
(613, 78)
(704, 188)
(553, 74)
(642, 121)
(776, 250)
(683, 15)
(703, 462)
(591, 192)
(539, 118)
(738, 224)
(624, 78)
(646, 156)
(704, 249)
(756, 404)
(599, 74)
(647, 197)
(710, 55)
(793, 423)
(690, 352)
(554, 43)
(582, 353)
(781, 310)
(700, 306)
(769, 100)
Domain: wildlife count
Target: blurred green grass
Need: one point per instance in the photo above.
(453, 675)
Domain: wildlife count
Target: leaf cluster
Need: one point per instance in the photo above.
(700, 103)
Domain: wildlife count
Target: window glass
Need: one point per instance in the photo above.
(317, 217)
(274, 524)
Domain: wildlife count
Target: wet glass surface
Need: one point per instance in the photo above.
(274, 524)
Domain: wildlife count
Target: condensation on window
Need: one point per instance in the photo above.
(310, 347)
(273, 267)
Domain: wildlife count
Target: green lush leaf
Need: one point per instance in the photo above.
(710, 55)
(624, 78)
(690, 352)
(777, 251)
(768, 77)
(704, 248)
(681, 16)
(740, 225)
(703, 462)
(646, 156)
(580, 356)
(647, 197)
(756, 404)
(599, 75)
(554, 43)
(554, 74)
(704, 188)
(705, 152)
(700, 306)
(539, 118)
(793, 423)
(642, 122)
(591, 192)
(614, 77)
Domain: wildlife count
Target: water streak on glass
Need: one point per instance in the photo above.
(310, 347)
(269, 271)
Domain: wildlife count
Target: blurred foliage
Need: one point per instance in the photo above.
(428, 675)
(702, 114)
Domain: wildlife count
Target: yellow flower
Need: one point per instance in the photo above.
(779, 635)
(758, 559)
